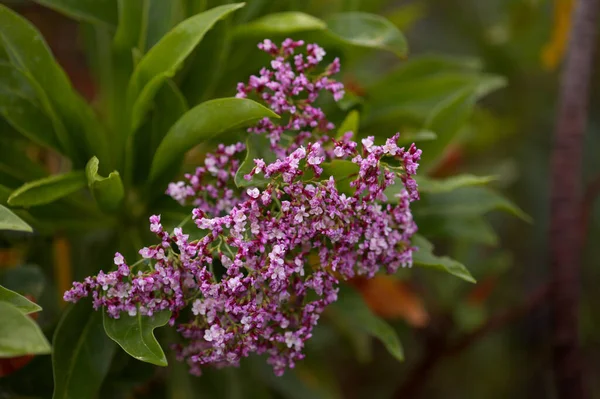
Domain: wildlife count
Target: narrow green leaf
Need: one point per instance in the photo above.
(429, 185)
(203, 122)
(28, 50)
(258, 146)
(204, 74)
(283, 23)
(350, 124)
(10, 221)
(107, 191)
(82, 353)
(162, 17)
(102, 12)
(133, 16)
(368, 30)
(425, 257)
(19, 301)
(47, 190)
(467, 202)
(30, 121)
(16, 81)
(136, 335)
(165, 58)
(351, 306)
(19, 334)
(70, 114)
(20, 107)
(169, 106)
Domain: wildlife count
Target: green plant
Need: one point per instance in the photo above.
(166, 74)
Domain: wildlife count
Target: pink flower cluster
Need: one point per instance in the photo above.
(270, 259)
(290, 88)
(210, 187)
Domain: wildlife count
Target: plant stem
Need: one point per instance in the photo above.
(566, 238)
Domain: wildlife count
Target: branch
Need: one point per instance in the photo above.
(566, 239)
(591, 193)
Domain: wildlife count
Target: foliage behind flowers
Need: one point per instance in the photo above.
(270, 297)
(304, 189)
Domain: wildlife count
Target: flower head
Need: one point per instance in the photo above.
(266, 262)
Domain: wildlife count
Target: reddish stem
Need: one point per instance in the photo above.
(566, 238)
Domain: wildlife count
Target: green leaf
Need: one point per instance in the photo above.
(351, 306)
(258, 146)
(20, 106)
(107, 191)
(343, 172)
(477, 230)
(425, 65)
(368, 30)
(410, 94)
(473, 229)
(283, 23)
(429, 185)
(204, 74)
(203, 122)
(162, 16)
(170, 106)
(425, 257)
(15, 162)
(130, 34)
(14, 80)
(69, 113)
(30, 121)
(415, 137)
(102, 12)
(165, 58)
(10, 221)
(19, 301)
(136, 335)
(467, 202)
(350, 124)
(82, 353)
(47, 190)
(19, 334)
(446, 120)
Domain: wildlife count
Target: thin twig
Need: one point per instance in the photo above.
(566, 239)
